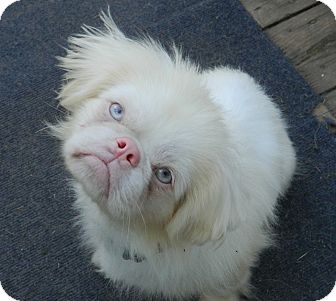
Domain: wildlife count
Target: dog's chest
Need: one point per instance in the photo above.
(149, 267)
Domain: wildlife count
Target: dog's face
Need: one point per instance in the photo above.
(143, 138)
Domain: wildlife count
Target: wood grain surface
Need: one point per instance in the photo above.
(306, 32)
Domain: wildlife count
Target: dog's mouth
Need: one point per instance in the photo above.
(100, 173)
(80, 155)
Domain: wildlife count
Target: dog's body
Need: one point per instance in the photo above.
(226, 154)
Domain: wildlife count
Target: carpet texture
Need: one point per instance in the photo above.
(40, 257)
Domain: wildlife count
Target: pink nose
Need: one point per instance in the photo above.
(127, 150)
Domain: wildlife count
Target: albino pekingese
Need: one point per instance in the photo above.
(177, 169)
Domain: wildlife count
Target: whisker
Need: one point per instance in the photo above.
(123, 220)
(57, 109)
(129, 225)
(41, 130)
(142, 217)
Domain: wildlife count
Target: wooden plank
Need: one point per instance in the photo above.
(268, 12)
(320, 69)
(302, 34)
(309, 41)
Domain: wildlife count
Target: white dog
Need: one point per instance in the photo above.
(177, 170)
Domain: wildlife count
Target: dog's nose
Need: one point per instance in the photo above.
(127, 150)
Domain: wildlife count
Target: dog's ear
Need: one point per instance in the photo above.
(207, 211)
(89, 62)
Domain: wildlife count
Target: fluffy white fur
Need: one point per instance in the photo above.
(220, 134)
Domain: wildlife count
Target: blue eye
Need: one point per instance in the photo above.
(116, 111)
(164, 175)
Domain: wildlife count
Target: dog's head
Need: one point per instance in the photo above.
(143, 139)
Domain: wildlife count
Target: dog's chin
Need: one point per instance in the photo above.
(112, 185)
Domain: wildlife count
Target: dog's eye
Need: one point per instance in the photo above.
(164, 175)
(116, 111)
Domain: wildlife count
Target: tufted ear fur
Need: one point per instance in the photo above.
(98, 59)
(85, 62)
(207, 211)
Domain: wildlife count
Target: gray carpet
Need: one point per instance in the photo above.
(40, 258)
